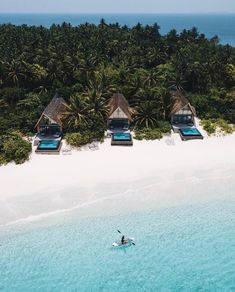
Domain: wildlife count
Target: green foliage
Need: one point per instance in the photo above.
(11, 95)
(164, 127)
(219, 125)
(209, 126)
(29, 103)
(3, 104)
(147, 114)
(14, 148)
(2, 160)
(225, 127)
(155, 133)
(83, 138)
(76, 113)
(148, 134)
(77, 139)
(23, 115)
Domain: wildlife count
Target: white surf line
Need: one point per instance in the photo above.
(187, 179)
(41, 216)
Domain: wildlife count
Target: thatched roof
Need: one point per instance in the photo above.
(179, 102)
(119, 101)
(54, 110)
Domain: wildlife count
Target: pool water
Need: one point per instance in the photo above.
(49, 145)
(190, 132)
(121, 137)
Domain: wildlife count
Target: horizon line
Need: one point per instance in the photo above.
(148, 13)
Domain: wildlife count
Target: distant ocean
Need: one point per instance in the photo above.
(222, 25)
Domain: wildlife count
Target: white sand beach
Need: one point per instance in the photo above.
(113, 179)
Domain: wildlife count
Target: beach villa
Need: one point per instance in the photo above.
(182, 116)
(119, 113)
(119, 120)
(49, 127)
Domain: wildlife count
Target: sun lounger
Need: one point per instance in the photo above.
(66, 151)
(93, 146)
(170, 141)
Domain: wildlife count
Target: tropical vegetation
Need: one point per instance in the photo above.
(217, 126)
(87, 63)
(13, 148)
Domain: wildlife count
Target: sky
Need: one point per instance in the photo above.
(117, 6)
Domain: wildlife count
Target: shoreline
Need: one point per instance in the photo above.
(86, 179)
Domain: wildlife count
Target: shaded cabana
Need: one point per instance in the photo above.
(119, 118)
(182, 113)
(50, 124)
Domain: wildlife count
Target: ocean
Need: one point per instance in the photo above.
(188, 245)
(222, 25)
(189, 248)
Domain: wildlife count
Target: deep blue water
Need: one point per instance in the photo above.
(222, 25)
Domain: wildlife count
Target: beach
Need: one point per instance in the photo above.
(108, 179)
(59, 215)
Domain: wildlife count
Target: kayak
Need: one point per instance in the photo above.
(129, 241)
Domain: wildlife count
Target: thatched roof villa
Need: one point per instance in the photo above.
(181, 111)
(120, 117)
(51, 116)
(49, 127)
(182, 116)
(120, 113)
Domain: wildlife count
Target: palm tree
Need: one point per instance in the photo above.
(177, 81)
(146, 114)
(97, 93)
(151, 78)
(15, 72)
(76, 113)
(3, 104)
(97, 103)
(98, 81)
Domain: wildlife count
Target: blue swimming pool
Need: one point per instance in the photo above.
(121, 137)
(48, 145)
(190, 132)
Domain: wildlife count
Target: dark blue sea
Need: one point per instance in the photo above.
(222, 25)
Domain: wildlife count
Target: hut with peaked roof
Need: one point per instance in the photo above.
(181, 111)
(50, 124)
(120, 113)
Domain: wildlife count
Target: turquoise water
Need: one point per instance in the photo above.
(222, 25)
(190, 132)
(186, 248)
(121, 137)
(48, 144)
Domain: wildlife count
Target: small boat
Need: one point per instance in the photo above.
(128, 241)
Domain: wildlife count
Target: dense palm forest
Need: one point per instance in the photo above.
(87, 63)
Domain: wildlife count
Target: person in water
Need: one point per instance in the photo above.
(123, 240)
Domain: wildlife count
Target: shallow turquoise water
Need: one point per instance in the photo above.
(187, 248)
